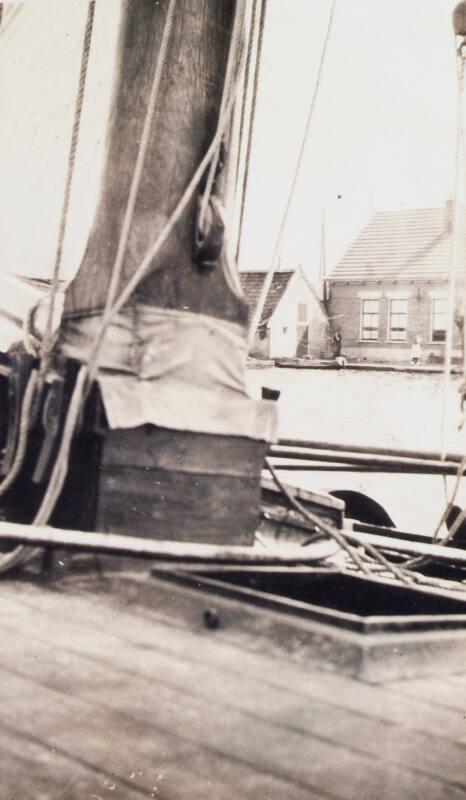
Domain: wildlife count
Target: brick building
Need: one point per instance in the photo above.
(392, 286)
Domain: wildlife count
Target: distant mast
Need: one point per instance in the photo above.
(323, 256)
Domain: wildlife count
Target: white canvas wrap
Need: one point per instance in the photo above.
(174, 369)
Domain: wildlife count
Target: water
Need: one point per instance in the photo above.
(383, 409)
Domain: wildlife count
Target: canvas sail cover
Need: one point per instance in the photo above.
(175, 354)
(176, 370)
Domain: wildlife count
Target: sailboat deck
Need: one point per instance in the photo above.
(110, 694)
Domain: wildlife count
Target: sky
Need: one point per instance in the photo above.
(382, 134)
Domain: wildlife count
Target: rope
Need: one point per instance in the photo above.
(276, 254)
(449, 506)
(22, 554)
(245, 86)
(142, 151)
(18, 554)
(23, 433)
(86, 373)
(60, 468)
(398, 573)
(231, 78)
(255, 89)
(454, 249)
(31, 342)
(48, 338)
(340, 538)
(422, 560)
(170, 224)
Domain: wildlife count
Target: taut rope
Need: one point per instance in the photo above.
(48, 337)
(255, 90)
(256, 317)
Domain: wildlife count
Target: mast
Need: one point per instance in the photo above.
(184, 123)
(143, 423)
(183, 451)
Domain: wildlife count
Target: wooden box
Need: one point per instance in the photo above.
(167, 484)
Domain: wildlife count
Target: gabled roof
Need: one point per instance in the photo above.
(401, 245)
(251, 284)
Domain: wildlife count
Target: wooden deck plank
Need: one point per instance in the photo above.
(436, 690)
(227, 736)
(133, 737)
(306, 761)
(110, 743)
(32, 771)
(161, 628)
(209, 728)
(56, 716)
(89, 667)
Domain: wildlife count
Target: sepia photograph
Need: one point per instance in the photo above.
(233, 399)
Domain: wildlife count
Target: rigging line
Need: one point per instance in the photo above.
(17, 556)
(422, 560)
(8, 16)
(48, 336)
(252, 25)
(233, 69)
(342, 539)
(171, 222)
(255, 89)
(455, 223)
(24, 554)
(449, 506)
(60, 467)
(256, 317)
(24, 426)
(86, 373)
(142, 151)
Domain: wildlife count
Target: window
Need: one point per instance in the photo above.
(398, 318)
(439, 319)
(370, 320)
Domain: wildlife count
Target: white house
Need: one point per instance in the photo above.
(294, 321)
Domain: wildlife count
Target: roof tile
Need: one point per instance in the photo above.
(401, 245)
(251, 284)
